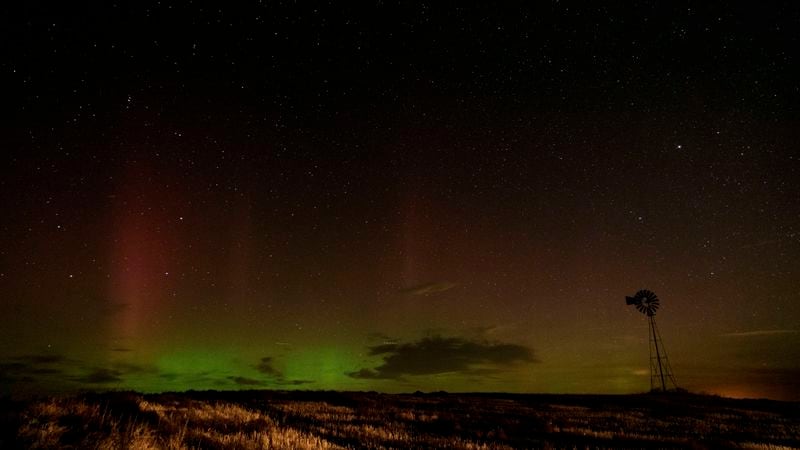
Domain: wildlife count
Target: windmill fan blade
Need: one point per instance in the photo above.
(645, 301)
(652, 305)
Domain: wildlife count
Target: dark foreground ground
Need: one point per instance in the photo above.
(291, 420)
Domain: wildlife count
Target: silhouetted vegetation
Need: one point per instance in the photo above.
(302, 419)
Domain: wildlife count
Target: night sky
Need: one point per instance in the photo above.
(399, 197)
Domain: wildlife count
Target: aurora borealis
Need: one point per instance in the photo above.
(399, 197)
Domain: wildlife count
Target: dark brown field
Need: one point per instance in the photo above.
(290, 420)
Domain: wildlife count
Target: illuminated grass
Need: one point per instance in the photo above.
(326, 420)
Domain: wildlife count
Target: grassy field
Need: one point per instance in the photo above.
(328, 420)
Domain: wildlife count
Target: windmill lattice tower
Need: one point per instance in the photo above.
(660, 371)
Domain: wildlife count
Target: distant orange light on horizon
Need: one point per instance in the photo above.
(737, 391)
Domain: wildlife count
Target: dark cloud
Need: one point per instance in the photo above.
(436, 354)
(294, 382)
(130, 368)
(379, 337)
(382, 338)
(428, 288)
(41, 359)
(101, 376)
(114, 373)
(121, 349)
(244, 381)
(54, 369)
(367, 374)
(12, 373)
(265, 366)
(45, 368)
(32, 367)
(45, 371)
(9, 367)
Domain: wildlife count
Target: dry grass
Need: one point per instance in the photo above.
(270, 420)
(191, 425)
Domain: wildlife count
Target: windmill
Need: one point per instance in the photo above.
(660, 371)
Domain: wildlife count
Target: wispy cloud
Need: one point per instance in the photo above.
(755, 333)
(428, 288)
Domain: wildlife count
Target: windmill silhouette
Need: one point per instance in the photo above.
(660, 371)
